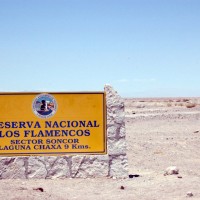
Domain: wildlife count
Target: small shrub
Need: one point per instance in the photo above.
(186, 100)
(190, 105)
(140, 106)
(169, 104)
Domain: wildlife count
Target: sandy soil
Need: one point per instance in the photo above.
(160, 133)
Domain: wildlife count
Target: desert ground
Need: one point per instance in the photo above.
(161, 132)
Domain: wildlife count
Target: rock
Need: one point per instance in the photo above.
(119, 119)
(37, 168)
(90, 166)
(39, 189)
(122, 131)
(189, 194)
(58, 169)
(116, 146)
(13, 168)
(171, 170)
(118, 166)
(113, 99)
(112, 131)
(133, 175)
(122, 187)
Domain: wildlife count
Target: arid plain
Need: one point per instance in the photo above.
(161, 132)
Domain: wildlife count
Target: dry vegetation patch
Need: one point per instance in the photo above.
(191, 105)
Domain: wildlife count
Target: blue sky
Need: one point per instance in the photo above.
(144, 48)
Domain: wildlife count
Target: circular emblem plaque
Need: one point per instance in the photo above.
(44, 106)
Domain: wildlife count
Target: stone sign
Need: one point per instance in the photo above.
(113, 164)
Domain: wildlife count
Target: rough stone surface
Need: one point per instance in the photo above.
(60, 168)
(118, 166)
(116, 146)
(118, 163)
(13, 168)
(114, 164)
(37, 167)
(90, 166)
